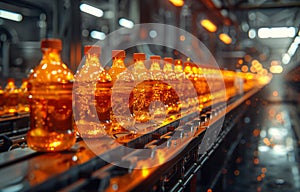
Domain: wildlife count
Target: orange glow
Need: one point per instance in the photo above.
(12, 111)
(208, 25)
(259, 178)
(145, 172)
(252, 69)
(262, 175)
(256, 161)
(182, 37)
(274, 62)
(244, 68)
(236, 172)
(225, 38)
(267, 142)
(256, 132)
(178, 3)
(209, 190)
(276, 69)
(275, 93)
(248, 58)
(241, 61)
(161, 156)
(264, 170)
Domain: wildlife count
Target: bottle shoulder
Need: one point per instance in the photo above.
(51, 72)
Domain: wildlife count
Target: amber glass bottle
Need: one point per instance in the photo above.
(118, 65)
(86, 118)
(23, 97)
(11, 93)
(181, 84)
(50, 99)
(170, 96)
(142, 92)
(123, 84)
(157, 107)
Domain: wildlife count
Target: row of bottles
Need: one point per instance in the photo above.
(14, 100)
(114, 101)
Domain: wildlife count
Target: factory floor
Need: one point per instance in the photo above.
(267, 158)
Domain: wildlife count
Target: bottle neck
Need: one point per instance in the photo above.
(52, 54)
(155, 66)
(139, 65)
(118, 62)
(92, 58)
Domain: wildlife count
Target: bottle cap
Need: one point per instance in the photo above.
(155, 57)
(169, 60)
(118, 53)
(178, 62)
(139, 56)
(92, 49)
(51, 43)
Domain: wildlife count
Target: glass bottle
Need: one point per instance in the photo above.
(118, 65)
(50, 100)
(2, 103)
(180, 84)
(85, 104)
(191, 87)
(11, 97)
(123, 80)
(157, 107)
(23, 97)
(142, 92)
(171, 98)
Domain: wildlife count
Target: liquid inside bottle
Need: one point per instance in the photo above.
(23, 97)
(123, 80)
(11, 97)
(86, 106)
(142, 92)
(50, 99)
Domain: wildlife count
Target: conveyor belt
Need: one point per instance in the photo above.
(80, 169)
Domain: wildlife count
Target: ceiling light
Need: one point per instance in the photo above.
(252, 33)
(98, 35)
(276, 69)
(11, 15)
(91, 10)
(276, 32)
(207, 24)
(225, 38)
(126, 23)
(292, 49)
(177, 3)
(286, 58)
(297, 40)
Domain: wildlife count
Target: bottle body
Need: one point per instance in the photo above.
(51, 127)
